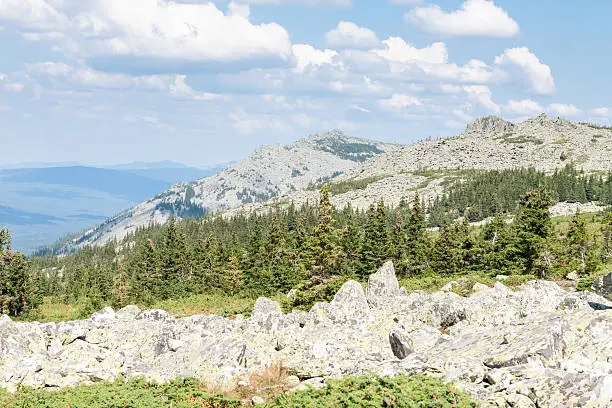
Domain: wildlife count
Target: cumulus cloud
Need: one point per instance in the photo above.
(474, 18)
(305, 56)
(603, 111)
(152, 29)
(398, 50)
(539, 75)
(400, 101)
(525, 107)
(59, 74)
(350, 35)
(482, 95)
(564, 110)
(310, 3)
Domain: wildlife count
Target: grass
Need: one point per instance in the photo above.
(219, 304)
(54, 310)
(374, 392)
(433, 283)
(399, 391)
(188, 393)
(342, 187)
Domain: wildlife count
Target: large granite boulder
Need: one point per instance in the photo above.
(538, 346)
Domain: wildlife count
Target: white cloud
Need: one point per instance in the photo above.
(564, 110)
(398, 50)
(305, 56)
(406, 2)
(539, 75)
(474, 18)
(525, 107)
(482, 95)
(401, 101)
(31, 14)
(450, 88)
(310, 3)
(151, 29)
(350, 35)
(62, 74)
(359, 108)
(602, 111)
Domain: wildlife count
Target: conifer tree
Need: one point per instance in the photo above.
(323, 254)
(172, 257)
(417, 242)
(16, 291)
(532, 229)
(581, 247)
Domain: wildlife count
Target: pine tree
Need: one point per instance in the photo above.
(16, 292)
(376, 248)
(446, 259)
(580, 246)
(323, 254)
(417, 241)
(173, 257)
(532, 228)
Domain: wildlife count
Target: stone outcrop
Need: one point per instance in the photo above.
(603, 286)
(539, 346)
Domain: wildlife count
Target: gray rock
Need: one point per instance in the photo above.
(536, 346)
(603, 286)
(383, 284)
(401, 344)
(573, 276)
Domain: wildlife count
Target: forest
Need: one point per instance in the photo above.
(315, 248)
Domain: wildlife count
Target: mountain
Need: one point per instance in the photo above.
(362, 172)
(39, 205)
(269, 172)
(488, 143)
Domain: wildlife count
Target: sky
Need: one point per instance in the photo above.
(206, 82)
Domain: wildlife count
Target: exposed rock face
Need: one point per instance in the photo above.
(603, 286)
(488, 143)
(269, 172)
(537, 347)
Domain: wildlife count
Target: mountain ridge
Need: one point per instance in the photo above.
(279, 174)
(271, 171)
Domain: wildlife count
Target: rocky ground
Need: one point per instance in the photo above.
(539, 346)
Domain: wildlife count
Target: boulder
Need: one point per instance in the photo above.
(603, 286)
(383, 284)
(537, 345)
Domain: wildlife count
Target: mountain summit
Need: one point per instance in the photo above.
(269, 172)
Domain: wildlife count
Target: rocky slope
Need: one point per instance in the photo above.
(282, 174)
(540, 346)
(488, 143)
(270, 172)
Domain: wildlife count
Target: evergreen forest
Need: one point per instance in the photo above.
(311, 250)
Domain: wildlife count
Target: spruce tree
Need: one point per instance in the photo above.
(16, 292)
(532, 228)
(323, 254)
(580, 246)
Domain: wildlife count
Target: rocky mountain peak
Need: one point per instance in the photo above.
(488, 126)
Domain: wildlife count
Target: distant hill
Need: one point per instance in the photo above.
(269, 172)
(39, 205)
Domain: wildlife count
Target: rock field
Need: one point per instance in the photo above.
(539, 346)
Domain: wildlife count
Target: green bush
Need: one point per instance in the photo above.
(187, 393)
(400, 391)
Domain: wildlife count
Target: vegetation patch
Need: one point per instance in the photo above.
(342, 187)
(400, 391)
(522, 139)
(372, 392)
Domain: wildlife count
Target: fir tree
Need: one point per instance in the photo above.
(532, 229)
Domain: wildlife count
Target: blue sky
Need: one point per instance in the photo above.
(111, 81)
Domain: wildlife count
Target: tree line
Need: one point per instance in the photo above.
(310, 248)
